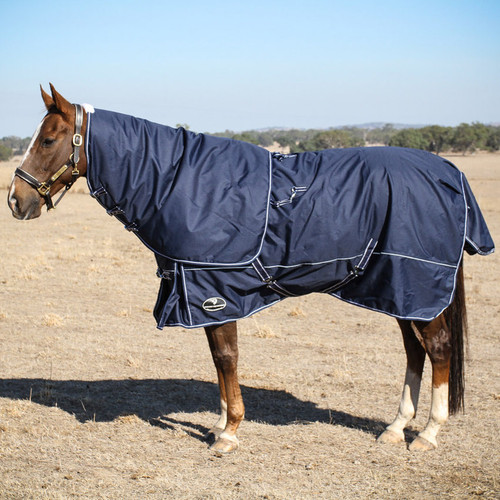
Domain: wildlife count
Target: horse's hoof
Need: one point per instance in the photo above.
(421, 444)
(223, 446)
(389, 436)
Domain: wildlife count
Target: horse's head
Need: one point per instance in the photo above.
(53, 160)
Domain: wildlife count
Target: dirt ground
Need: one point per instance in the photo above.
(95, 402)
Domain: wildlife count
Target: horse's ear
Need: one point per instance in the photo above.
(61, 103)
(49, 102)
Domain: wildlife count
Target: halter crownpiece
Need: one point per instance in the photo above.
(43, 188)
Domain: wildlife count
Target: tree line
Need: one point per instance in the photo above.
(465, 138)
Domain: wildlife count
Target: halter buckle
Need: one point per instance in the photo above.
(43, 189)
(77, 140)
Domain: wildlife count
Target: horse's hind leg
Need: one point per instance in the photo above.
(415, 358)
(223, 342)
(438, 344)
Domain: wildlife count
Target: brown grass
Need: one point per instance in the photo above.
(95, 402)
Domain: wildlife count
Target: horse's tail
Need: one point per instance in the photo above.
(456, 318)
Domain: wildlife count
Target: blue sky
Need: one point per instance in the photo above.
(239, 65)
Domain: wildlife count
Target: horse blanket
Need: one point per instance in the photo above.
(236, 229)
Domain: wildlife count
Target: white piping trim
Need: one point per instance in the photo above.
(87, 156)
(272, 266)
(409, 318)
(472, 244)
(313, 263)
(174, 288)
(476, 248)
(210, 323)
(362, 264)
(236, 268)
(390, 254)
(186, 296)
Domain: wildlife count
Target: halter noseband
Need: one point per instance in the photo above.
(43, 188)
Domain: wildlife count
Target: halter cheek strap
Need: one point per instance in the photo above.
(43, 188)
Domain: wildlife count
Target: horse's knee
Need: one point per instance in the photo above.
(226, 359)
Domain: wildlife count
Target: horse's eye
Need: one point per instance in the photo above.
(47, 142)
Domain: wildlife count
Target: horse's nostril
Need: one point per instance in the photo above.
(13, 204)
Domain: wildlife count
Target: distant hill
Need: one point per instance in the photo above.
(377, 125)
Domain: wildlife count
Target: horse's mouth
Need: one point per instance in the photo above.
(32, 212)
(27, 216)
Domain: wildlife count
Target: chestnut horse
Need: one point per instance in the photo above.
(54, 161)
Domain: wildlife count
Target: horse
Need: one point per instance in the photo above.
(56, 157)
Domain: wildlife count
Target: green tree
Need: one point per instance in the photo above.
(438, 138)
(493, 140)
(286, 141)
(247, 137)
(381, 135)
(265, 139)
(409, 138)
(330, 139)
(464, 138)
(357, 134)
(481, 131)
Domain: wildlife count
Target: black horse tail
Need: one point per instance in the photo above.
(456, 319)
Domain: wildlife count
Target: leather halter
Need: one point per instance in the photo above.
(43, 188)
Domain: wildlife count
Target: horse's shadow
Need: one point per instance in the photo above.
(155, 400)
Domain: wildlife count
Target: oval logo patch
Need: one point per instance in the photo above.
(214, 304)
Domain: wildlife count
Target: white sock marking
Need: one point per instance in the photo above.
(408, 404)
(221, 423)
(438, 414)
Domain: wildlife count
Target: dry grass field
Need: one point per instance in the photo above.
(95, 402)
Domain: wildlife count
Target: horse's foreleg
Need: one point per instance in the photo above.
(437, 339)
(223, 342)
(415, 358)
(220, 425)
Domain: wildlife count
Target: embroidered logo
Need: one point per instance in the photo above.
(214, 304)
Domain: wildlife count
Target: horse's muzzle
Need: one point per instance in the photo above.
(26, 207)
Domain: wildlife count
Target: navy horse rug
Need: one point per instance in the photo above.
(236, 229)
